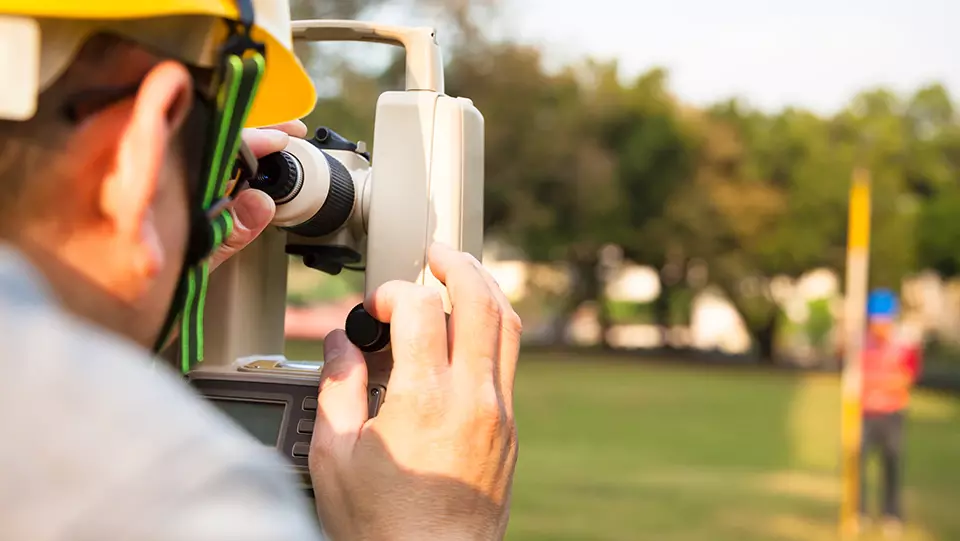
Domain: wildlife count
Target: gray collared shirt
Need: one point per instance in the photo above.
(98, 442)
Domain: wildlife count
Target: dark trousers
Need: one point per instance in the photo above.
(883, 434)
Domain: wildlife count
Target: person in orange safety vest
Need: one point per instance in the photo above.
(890, 367)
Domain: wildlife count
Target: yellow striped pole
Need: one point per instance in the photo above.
(858, 261)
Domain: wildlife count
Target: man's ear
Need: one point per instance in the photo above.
(148, 129)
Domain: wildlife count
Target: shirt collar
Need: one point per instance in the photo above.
(20, 282)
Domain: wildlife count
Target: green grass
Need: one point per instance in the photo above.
(615, 451)
(620, 451)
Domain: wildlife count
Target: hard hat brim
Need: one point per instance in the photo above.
(286, 92)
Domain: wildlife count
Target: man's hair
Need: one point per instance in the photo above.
(29, 149)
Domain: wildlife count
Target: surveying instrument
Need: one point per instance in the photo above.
(340, 208)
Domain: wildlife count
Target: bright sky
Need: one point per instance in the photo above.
(812, 53)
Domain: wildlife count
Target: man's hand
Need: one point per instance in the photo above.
(438, 460)
(252, 209)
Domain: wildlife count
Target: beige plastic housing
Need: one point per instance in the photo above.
(426, 185)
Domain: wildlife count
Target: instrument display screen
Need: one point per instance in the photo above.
(262, 419)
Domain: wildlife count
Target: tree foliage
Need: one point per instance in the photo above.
(580, 158)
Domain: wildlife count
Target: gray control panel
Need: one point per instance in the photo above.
(278, 410)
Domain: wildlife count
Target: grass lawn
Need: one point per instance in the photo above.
(618, 451)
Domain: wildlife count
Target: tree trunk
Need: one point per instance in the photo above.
(765, 337)
(564, 317)
(593, 289)
(584, 288)
(761, 322)
(661, 314)
(603, 319)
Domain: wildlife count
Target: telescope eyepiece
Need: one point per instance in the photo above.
(279, 175)
(314, 191)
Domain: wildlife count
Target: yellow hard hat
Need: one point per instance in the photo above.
(285, 93)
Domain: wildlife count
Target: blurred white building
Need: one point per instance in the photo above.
(715, 323)
(931, 306)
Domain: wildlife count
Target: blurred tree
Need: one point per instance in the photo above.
(552, 175)
(771, 200)
(939, 233)
(729, 216)
(551, 184)
(577, 160)
(875, 132)
(655, 145)
(934, 174)
(319, 64)
(331, 9)
(933, 141)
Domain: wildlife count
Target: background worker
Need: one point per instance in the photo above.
(890, 367)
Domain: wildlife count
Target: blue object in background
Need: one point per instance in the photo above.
(882, 303)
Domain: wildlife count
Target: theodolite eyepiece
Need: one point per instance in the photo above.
(314, 183)
(280, 175)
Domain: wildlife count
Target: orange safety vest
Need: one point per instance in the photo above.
(889, 371)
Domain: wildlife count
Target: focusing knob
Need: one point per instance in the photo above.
(365, 332)
(279, 175)
(336, 208)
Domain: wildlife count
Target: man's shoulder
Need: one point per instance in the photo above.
(65, 380)
(91, 422)
(52, 359)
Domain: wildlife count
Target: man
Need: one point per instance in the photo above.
(890, 368)
(119, 122)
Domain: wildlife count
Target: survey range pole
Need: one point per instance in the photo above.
(858, 263)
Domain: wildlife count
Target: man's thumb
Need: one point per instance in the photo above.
(342, 401)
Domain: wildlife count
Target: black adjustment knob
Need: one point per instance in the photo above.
(279, 175)
(327, 139)
(365, 332)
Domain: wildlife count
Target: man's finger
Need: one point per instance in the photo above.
(342, 398)
(511, 328)
(295, 128)
(252, 212)
(263, 141)
(475, 313)
(418, 333)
